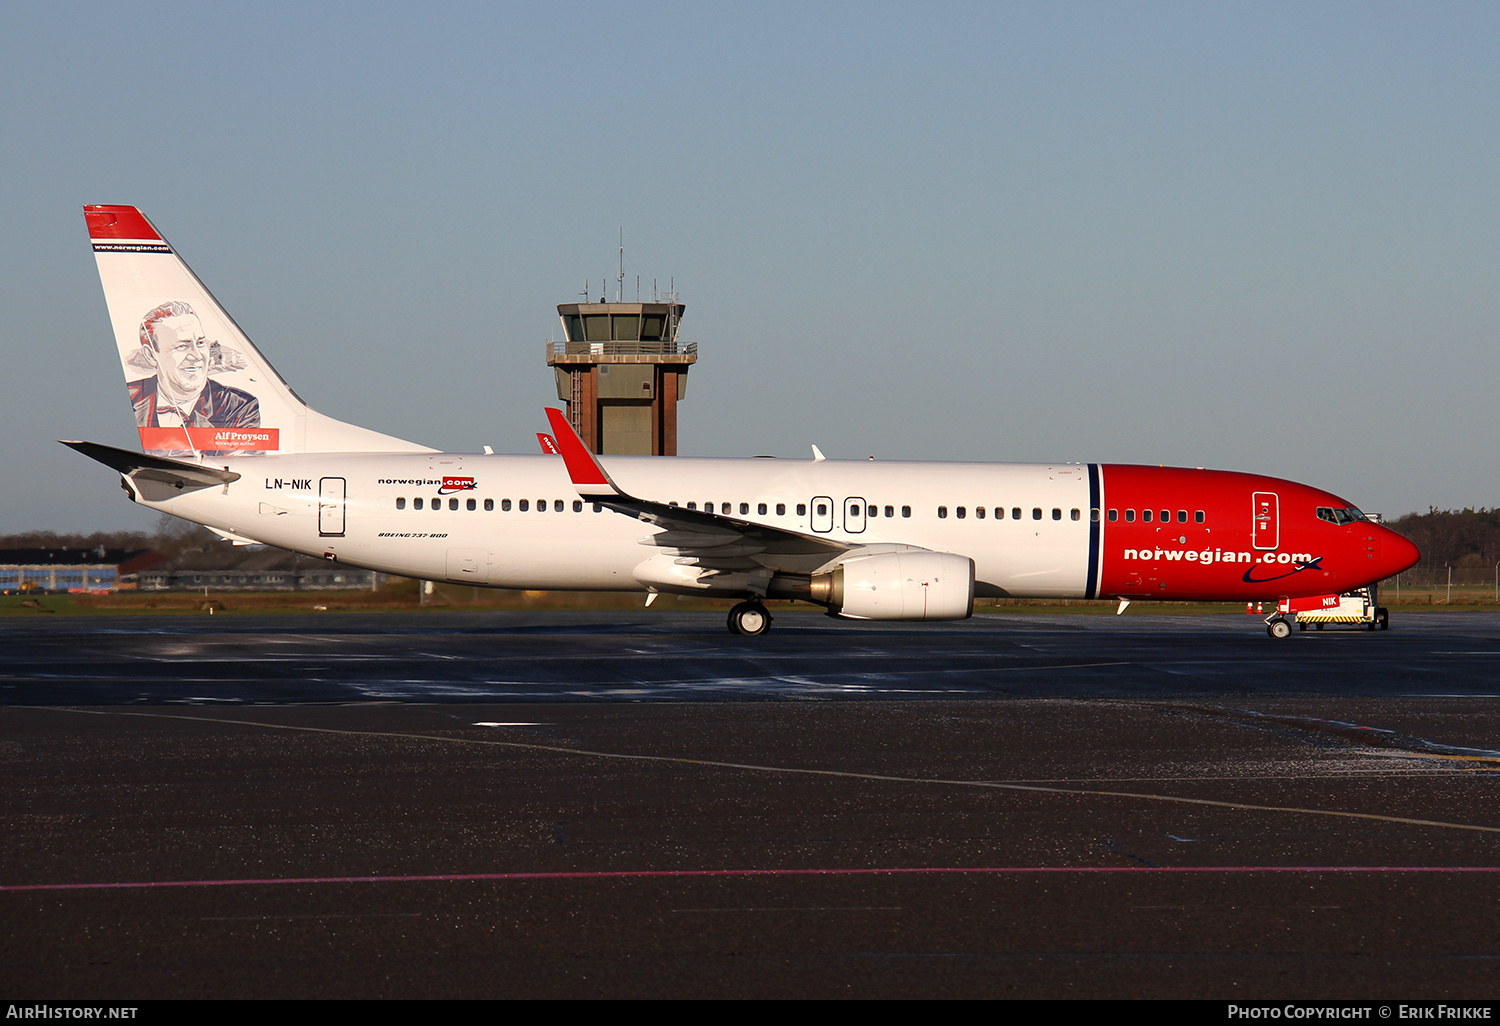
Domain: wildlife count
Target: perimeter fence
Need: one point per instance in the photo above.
(1443, 585)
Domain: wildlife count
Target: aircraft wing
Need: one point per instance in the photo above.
(712, 541)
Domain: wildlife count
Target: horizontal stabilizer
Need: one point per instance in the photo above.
(160, 468)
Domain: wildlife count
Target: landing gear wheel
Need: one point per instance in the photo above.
(1279, 628)
(1383, 617)
(749, 619)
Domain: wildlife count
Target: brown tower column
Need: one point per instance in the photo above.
(667, 412)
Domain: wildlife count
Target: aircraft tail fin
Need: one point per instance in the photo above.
(197, 384)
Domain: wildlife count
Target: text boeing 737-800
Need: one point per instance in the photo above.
(228, 444)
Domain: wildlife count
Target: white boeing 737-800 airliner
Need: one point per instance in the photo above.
(229, 445)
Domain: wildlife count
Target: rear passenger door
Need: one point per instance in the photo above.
(331, 507)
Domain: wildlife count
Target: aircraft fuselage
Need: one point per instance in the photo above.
(1032, 530)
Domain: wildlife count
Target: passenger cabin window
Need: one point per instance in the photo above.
(1182, 516)
(760, 509)
(1036, 513)
(1166, 516)
(1056, 513)
(558, 506)
(524, 505)
(1146, 516)
(979, 512)
(1015, 513)
(801, 509)
(781, 509)
(942, 512)
(401, 503)
(744, 509)
(1130, 516)
(472, 504)
(416, 503)
(1198, 517)
(962, 512)
(906, 511)
(1114, 515)
(505, 505)
(1077, 515)
(577, 505)
(489, 505)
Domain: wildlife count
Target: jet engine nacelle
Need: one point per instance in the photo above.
(914, 585)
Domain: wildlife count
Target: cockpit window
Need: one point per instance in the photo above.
(1347, 515)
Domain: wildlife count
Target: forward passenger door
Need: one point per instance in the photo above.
(1265, 526)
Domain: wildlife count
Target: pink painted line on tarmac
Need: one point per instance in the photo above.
(649, 873)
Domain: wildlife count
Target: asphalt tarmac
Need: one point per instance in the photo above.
(640, 805)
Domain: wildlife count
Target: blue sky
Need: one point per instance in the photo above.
(1252, 236)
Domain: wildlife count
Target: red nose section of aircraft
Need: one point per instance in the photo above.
(1396, 553)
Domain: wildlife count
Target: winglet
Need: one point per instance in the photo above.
(549, 446)
(587, 475)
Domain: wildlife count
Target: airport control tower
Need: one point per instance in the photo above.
(621, 369)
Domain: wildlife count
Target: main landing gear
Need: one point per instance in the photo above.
(749, 618)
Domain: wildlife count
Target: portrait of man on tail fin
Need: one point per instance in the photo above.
(179, 391)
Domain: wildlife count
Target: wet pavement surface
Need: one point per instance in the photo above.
(622, 804)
